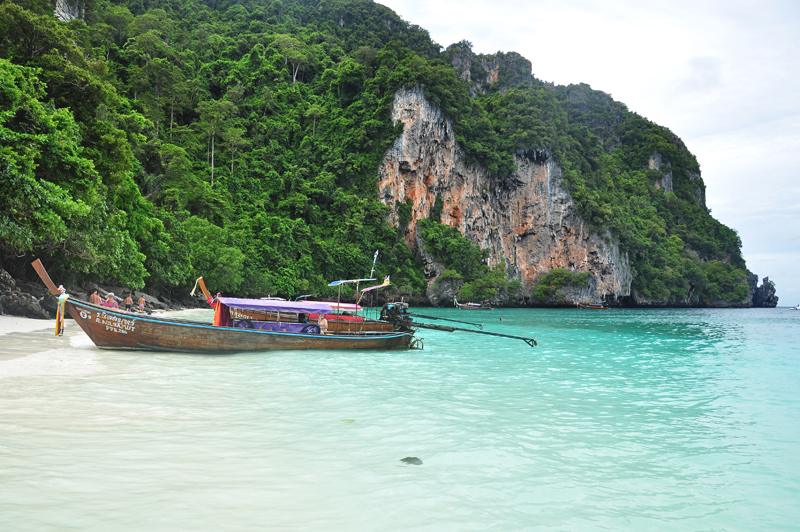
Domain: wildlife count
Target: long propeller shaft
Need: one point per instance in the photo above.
(530, 341)
(479, 325)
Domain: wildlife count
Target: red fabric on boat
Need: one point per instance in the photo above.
(222, 316)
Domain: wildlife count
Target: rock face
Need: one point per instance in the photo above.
(31, 299)
(15, 302)
(528, 219)
(764, 295)
(67, 10)
(480, 71)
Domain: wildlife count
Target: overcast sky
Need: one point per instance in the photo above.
(724, 75)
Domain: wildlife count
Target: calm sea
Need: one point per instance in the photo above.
(618, 420)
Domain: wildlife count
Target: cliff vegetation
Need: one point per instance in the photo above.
(150, 142)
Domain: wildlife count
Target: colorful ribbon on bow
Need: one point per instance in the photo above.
(62, 299)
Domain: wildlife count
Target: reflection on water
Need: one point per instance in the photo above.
(657, 420)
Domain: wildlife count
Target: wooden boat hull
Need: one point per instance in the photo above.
(114, 329)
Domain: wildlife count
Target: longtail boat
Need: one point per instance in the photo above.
(473, 306)
(593, 306)
(337, 321)
(116, 329)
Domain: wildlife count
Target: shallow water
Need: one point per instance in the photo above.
(619, 419)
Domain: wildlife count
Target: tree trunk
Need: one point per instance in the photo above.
(212, 159)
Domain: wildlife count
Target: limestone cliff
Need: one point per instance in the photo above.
(764, 295)
(528, 220)
(67, 10)
(502, 70)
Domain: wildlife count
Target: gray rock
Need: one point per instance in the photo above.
(411, 460)
(15, 302)
(764, 295)
(67, 10)
(441, 292)
(22, 304)
(7, 283)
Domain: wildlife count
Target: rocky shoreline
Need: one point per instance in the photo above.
(34, 300)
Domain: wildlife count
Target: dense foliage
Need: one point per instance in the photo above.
(492, 283)
(159, 140)
(547, 289)
(448, 246)
(678, 251)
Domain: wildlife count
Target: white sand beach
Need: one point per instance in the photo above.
(15, 324)
(20, 337)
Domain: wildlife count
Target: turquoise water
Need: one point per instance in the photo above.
(619, 420)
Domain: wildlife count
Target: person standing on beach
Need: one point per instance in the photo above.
(141, 303)
(128, 303)
(109, 302)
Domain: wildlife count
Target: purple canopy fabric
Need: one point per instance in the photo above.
(309, 307)
(274, 326)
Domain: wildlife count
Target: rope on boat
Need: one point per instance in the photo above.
(195, 286)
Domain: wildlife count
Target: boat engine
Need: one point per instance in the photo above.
(396, 314)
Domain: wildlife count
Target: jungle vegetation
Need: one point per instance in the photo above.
(153, 141)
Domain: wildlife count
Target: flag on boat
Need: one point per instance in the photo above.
(384, 285)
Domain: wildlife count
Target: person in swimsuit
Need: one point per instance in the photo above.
(323, 324)
(110, 302)
(128, 303)
(141, 303)
(95, 299)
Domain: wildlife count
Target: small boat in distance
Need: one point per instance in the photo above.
(796, 307)
(472, 306)
(593, 306)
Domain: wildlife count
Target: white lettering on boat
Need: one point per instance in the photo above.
(115, 323)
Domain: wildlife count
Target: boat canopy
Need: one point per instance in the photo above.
(272, 305)
(346, 281)
(341, 306)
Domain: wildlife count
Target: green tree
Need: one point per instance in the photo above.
(314, 112)
(234, 138)
(214, 116)
(295, 53)
(212, 257)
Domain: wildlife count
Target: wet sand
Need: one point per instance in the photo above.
(15, 324)
(20, 337)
